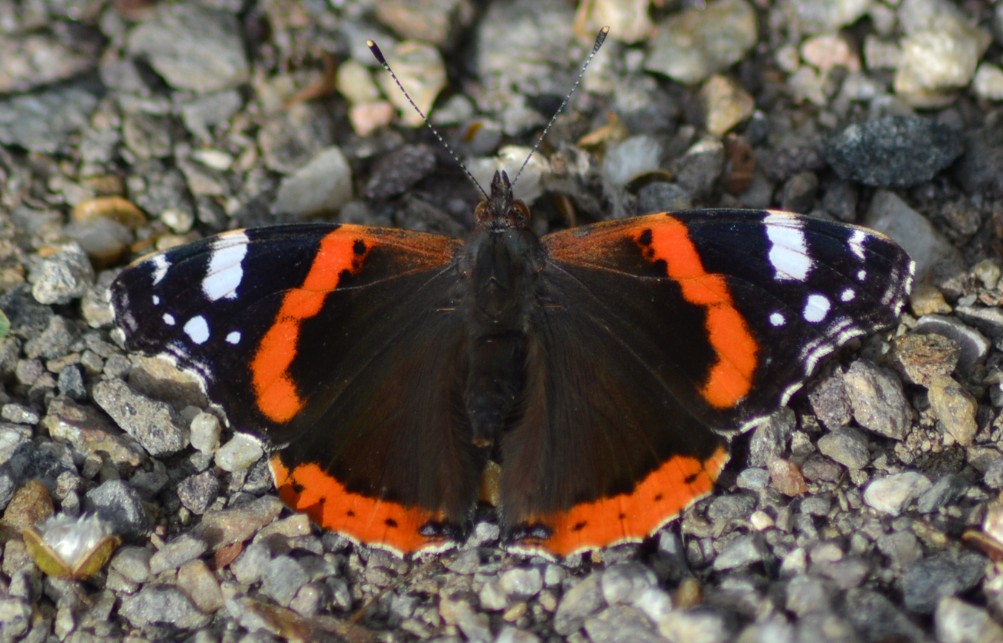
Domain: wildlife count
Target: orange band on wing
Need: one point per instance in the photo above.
(730, 377)
(659, 498)
(309, 489)
(275, 391)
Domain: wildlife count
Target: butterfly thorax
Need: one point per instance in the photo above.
(500, 265)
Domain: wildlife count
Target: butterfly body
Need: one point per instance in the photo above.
(583, 376)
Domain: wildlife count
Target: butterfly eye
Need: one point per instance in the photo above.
(520, 212)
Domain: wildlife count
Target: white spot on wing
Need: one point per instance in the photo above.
(856, 243)
(777, 319)
(197, 329)
(156, 300)
(788, 249)
(169, 319)
(847, 295)
(233, 337)
(225, 272)
(816, 308)
(861, 275)
(160, 267)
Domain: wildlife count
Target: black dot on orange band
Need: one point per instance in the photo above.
(690, 479)
(359, 247)
(390, 522)
(579, 526)
(659, 497)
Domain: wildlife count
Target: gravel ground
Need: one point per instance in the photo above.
(869, 510)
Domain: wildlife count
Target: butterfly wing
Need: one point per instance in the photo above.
(340, 343)
(651, 332)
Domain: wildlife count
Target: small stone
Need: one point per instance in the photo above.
(154, 424)
(926, 299)
(876, 618)
(973, 345)
(725, 104)
(192, 47)
(901, 547)
(877, 399)
(943, 492)
(434, 21)
(239, 523)
(420, 69)
(133, 563)
(798, 192)
(282, 578)
(239, 453)
(45, 121)
(846, 446)
(398, 171)
(521, 584)
(895, 151)
(15, 614)
(926, 357)
(988, 82)
(631, 159)
(786, 477)
(182, 549)
(698, 170)
(744, 550)
(118, 502)
(829, 402)
(695, 43)
(582, 600)
(704, 627)
(323, 184)
(200, 584)
(619, 623)
(62, 276)
(938, 576)
(816, 16)
(161, 605)
(198, 492)
(956, 621)
(205, 431)
(892, 493)
(623, 583)
(954, 408)
(808, 594)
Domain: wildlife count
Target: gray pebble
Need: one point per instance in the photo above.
(892, 493)
(877, 399)
(696, 43)
(183, 548)
(62, 276)
(192, 47)
(846, 446)
(118, 502)
(281, 578)
(895, 151)
(162, 605)
(956, 621)
(154, 424)
(940, 575)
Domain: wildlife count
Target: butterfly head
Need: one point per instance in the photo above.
(501, 210)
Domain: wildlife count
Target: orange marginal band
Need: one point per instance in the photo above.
(274, 388)
(660, 497)
(309, 489)
(731, 377)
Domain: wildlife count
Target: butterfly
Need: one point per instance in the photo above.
(578, 382)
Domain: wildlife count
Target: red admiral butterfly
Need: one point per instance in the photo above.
(576, 380)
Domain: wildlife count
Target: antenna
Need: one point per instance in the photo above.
(380, 58)
(600, 39)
